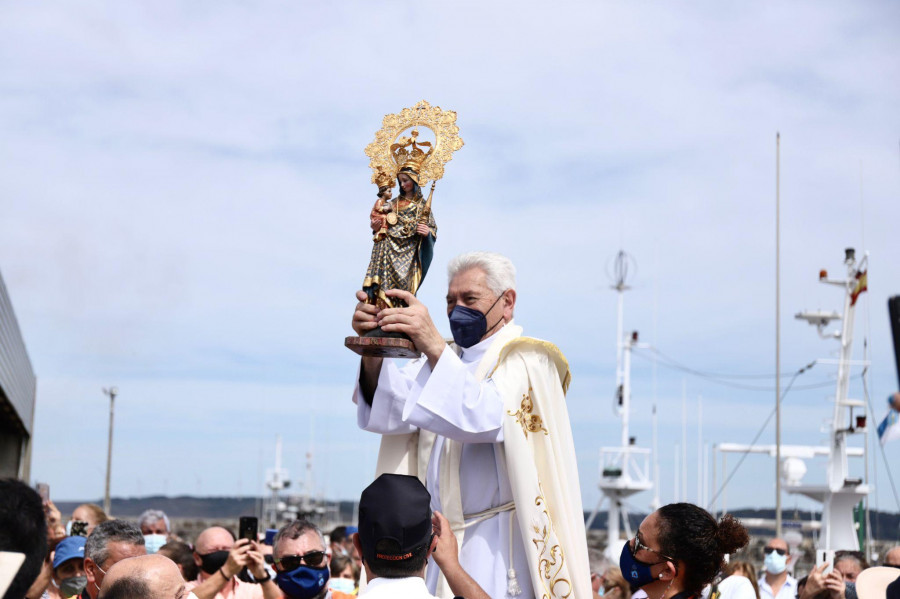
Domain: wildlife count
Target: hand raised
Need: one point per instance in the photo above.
(256, 563)
(446, 553)
(365, 315)
(237, 558)
(415, 322)
(815, 582)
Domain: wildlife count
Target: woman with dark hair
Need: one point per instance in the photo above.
(678, 550)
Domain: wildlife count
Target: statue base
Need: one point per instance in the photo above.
(383, 347)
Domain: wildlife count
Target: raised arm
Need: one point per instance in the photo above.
(365, 320)
(446, 556)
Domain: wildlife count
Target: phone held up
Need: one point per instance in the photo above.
(248, 528)
(43, 490)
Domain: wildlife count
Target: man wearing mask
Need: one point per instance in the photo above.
(483, 422)
(220, 558)
(776, 583)
(110, 542)
(302, 564)
(155, 528)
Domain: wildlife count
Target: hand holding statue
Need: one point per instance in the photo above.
(415, 322)
(365, 317)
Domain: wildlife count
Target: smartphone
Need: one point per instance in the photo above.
(43, 490)
(825, 557)
(78, 529)
(248, 528)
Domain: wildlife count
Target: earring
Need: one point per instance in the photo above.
(660, 575)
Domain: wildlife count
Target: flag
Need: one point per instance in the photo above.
(862, 280)
(889, 429)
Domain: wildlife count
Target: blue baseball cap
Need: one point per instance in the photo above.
(270, 536)
(68, 548)
(350, 530)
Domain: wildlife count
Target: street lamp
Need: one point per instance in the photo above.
(112, 392)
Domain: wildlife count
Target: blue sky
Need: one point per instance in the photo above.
(186, 198)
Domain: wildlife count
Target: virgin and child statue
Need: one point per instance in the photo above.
(405, 232)
(404, 227)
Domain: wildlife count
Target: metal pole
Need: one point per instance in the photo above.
(677, 494)
(778, 334)
(724, 486)
(715, 511)
(626, 400)
(700, 480)
(684, 468)
(112, 402)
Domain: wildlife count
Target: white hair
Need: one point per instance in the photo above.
(500, 272)
(151, 517)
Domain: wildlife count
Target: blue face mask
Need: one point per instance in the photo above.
(154, 542)
(636, 572)
(469, 325)
(303, 583)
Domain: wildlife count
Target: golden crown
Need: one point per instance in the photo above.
(408, 153)
(382, 178)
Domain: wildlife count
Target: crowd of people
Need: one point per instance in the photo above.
(104, 558)
(679, 551)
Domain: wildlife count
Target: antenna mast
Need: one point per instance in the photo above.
(624, 470)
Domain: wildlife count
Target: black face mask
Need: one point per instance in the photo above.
(211, 562)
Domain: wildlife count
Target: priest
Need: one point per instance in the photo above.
(483, 423)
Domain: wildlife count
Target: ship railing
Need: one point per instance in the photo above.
(629, 463)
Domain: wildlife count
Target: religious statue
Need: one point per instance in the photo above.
(405, 233)
(404, 227)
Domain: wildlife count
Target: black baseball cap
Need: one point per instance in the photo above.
(394, 508)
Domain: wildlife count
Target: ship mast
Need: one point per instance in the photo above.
(841, 492)
(624, 470)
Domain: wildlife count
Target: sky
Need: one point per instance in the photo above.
(185, 216)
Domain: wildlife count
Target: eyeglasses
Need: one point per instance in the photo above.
(288, 563)
(777, 550)
(636, 546)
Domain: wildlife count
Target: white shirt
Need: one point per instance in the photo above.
(396, 588)
(452, 403)
(736, 587)
(788, 589)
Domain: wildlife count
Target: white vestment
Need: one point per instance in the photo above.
(451, 426)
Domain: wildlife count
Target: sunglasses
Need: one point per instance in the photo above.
(769, 550)
(288, 563)
(636, 546)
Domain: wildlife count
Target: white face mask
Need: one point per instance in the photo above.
(774, 563)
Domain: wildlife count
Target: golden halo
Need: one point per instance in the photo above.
(442, 123)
